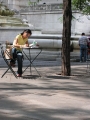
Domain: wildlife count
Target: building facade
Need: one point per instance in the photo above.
(47, 16)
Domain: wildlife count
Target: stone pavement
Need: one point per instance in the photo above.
(50, 97)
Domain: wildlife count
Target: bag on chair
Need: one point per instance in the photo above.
(8, 52)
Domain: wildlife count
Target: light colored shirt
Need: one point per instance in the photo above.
(83, 40)
(21, 41)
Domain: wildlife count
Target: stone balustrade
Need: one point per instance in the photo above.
(41, 7)
(49, 7)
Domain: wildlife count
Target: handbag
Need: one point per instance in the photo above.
(8, 52)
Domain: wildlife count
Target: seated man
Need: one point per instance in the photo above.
(20, 41)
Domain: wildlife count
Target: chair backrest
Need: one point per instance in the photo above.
(2, 51)
(6, 53)
(3, 54)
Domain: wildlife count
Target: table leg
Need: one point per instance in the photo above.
(31, 61)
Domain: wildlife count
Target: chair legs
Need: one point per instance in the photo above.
(6, 61)
(5, 72)
(9, 68)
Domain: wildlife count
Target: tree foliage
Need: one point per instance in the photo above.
(31, 2)
(5, 11)
(82, 5)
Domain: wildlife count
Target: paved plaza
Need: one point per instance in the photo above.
(49, 97)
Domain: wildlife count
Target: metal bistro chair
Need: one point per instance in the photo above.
(7, 57)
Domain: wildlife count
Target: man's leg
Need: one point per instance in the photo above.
(81, 53)
(85, 54)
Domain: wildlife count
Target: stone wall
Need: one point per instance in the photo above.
(45, 21)
(50, 22)
(48, 17)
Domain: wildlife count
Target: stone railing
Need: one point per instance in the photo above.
(43, 7)
(4, 1)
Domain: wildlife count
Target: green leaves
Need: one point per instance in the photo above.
(33, 3)
(82, 5)
(4, 11)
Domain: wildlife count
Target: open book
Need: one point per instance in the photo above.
(33, 46)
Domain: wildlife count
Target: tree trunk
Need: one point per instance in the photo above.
(67, 16)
